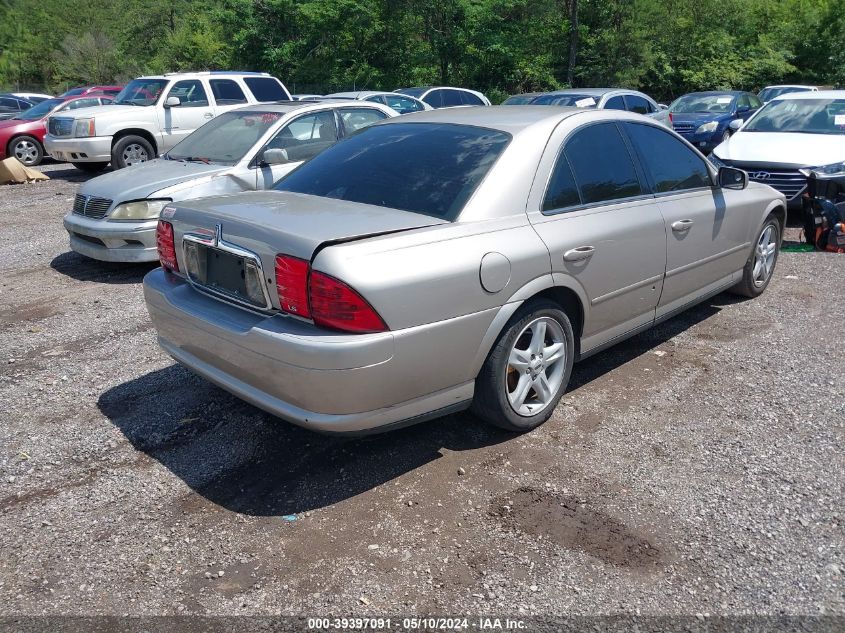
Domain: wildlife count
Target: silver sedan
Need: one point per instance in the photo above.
(453, 259)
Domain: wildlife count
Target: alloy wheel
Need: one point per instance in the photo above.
(536, 365)
(764, 255)
(134, 153)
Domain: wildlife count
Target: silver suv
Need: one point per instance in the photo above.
(152, 114)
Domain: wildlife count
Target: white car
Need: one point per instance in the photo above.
(446, 96)
(114, 216)
(770, 92)
(403, 104)
(791, 133)
(36, 97)
(152, 114)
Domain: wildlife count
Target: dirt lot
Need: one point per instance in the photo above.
(697, 468)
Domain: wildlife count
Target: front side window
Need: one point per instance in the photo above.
(227, 92)
(401, 104)
(671, 165)
(452, 98)
(358, 118)
(602, 165)
(808, 116)
(427, 168)
(141, 92)
(266, 89)
(434, 98)
(307, 136)
(190, 92)
(637, 104)
(39, 111)
(9, 105)
(225, 139)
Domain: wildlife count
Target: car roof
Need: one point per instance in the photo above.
(284, 107)
(714, 93)
(208, 73)
(790, 86)
(592, 92)
(820, 94)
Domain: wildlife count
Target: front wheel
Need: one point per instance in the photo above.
(526, 372)
(27, 150)
(761, 263)
(131, 150)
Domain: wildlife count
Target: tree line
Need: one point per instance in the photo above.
(663, 47)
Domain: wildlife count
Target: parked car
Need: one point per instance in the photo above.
(304, 97)
(111, 91)
(521, 99)
(34, 97)
(794, 132)
(22, 136)
(403, 104)
(406, 272)
(151, 115)
(600, 99)
(11, 106)
(114, 215)
(770, 92)
(446, 96)
(704, 118)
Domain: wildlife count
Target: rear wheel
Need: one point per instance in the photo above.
(761, 263)
(526, 372)
(27, 150)
(131, 150)
(91, 168)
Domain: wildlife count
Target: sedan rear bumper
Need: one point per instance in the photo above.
(94, 149)
(322, 380)
(112, 241)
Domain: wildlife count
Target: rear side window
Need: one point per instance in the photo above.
(358, 118)
(402, 105)
(426, 168)
(470, 99)
(266, 89)
(670, 164)
(637, 104)
(562, 191)
(227, 92)
(602, 165)
(452, 98)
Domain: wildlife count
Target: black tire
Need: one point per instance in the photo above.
(130, 150)
(750, 286)
(91, 168)
(491, 402)
(27, 150)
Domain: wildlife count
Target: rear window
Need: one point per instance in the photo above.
(425, 168)
(266, 89)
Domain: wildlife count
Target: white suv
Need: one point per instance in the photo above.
(152, 114)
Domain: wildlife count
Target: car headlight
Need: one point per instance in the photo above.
(84, 127)
(707, 127)
(717, 163)
(835, 169)
(140, 210)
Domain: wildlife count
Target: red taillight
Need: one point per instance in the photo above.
(292, 285)
(166, 246)
(328, 301)
(336, 305)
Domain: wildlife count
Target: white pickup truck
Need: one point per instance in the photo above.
(151, 115)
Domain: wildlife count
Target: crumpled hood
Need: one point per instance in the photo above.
(808, 150)
(140, 181)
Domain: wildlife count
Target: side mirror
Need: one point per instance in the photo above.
(662, 106)
(172, 102)
(732, 178)
(274, 156)
(735, 125)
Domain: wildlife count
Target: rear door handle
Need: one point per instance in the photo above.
(682, 225)
(579, 254)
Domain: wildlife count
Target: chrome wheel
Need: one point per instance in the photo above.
(134, 153)
(26, 152)
(536, 366)
(764, 256)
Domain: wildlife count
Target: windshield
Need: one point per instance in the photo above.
(141, 92)
(39, 111)
(225, 139)
(518, 100)
(717, 104)
(578, 101)
(425, 168)
(810, 116)
(412, 92)
(767, 94)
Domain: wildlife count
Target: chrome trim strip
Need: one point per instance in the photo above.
(706, 260)
(622, 291)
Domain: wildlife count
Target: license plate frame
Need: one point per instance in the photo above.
(225, 273)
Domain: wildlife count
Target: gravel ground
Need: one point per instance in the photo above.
(695, 469)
